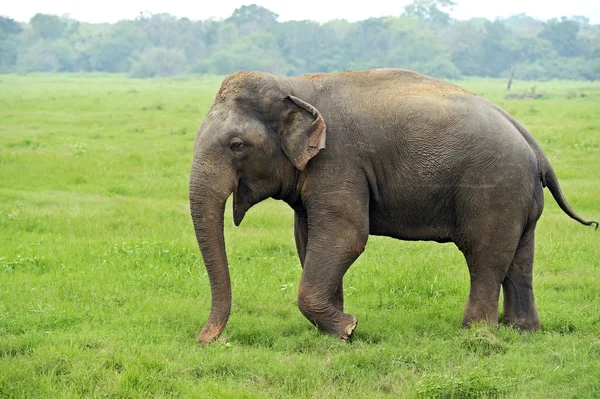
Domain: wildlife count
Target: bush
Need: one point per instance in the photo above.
(158, 61)
(591, 69)
(441, 68)
(532, 72)
(38, 58)
(256, 52)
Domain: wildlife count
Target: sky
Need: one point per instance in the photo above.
(316, 10)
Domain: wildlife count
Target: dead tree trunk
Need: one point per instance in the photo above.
(510, 79)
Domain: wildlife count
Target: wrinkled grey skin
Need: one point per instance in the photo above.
(385, 152)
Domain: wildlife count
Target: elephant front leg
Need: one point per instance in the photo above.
(330, 252)
(301, 237)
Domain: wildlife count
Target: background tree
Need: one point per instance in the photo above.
(434, 11)
(112, 50)
(158, 61)
(563, 36)
(9, 43)
(252, 18)
(464, 41)
(424, 38)
(496, 54)
(9, 26)
(48, 26)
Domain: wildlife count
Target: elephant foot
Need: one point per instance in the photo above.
(320, 311)
(341, 326)
(519, 307)
(523, 323)
(480, 312)
(466, 324)
(349, 330)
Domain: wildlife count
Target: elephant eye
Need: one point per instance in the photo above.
(237, 145)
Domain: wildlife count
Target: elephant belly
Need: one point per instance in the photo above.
(428, 218)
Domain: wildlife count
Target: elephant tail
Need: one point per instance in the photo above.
(547, 175)
(551, 181)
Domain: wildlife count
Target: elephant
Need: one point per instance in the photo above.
(387, 152)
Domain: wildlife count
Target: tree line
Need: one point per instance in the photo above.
(422, 38)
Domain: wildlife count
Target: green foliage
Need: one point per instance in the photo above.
(441, 67)
(8, 45)
(258, 51)
(48, 56)
(424, 38)
(252, 18)
(430, 10)
(103, 290)
(112, 50)
(497, 50)
(532, 72)
(158, 61)
(563, 36)
(9, 26)
(8, 55)
(523, 24)
(48, 26)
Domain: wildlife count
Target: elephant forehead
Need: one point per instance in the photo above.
(234, 85)
(220, 111)
(243, 84)
(231, 121)
(223, 117)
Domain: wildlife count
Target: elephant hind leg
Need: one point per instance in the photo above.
(519, 304)
(489, 232)
(487, 268)
(489, 250)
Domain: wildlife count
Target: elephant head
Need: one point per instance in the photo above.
(254, 143)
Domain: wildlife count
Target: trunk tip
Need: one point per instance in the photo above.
(210, 333)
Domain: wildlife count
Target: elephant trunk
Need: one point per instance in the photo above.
(207, 205)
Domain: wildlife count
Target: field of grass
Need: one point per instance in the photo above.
(103, 290)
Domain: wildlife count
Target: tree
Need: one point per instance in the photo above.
(563, 36)
(496, 57)
(300, 44)
(368, 43)
(48, 26)
(191, 39)
(523, 24)
(9, 26)
(38, 58)
(464, 40)
(252, 18)
(9, 44)
(423, 51)
(111, 51)
(581, 20)
(424, 39)
(258, 51)
(158, 61)
(161, 29)
(430, 10)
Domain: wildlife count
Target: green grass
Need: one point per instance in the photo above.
(103, 291)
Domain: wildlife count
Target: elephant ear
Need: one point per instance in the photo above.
(302, 132)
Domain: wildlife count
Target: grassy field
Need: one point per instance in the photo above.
(103, 291)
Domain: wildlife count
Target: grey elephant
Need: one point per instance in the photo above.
(386, 152)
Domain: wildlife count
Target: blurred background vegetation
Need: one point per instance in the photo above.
(423, 38)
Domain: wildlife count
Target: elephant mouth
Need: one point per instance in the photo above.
(242, 196)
